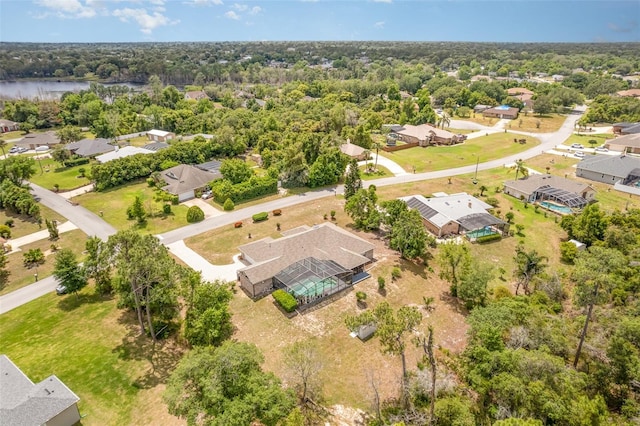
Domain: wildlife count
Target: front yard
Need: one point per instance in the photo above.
(49, 173)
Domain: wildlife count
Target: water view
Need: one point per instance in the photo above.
(46, 89)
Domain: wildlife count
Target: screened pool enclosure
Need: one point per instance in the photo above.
(311, 280)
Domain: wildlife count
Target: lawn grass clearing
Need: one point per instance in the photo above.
(537, 123)
(113, 203)
(53, 173)
(95, 350)
(25, 225)
(584, 139)
(16, 134)
(19, 276)
(381, 172)
(496, 145)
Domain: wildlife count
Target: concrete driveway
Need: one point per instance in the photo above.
(198, 263)
(207, 208)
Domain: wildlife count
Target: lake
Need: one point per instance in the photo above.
(46, 89)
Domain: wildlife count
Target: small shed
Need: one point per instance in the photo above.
(365, 332)
(160, 135)
(580, 246)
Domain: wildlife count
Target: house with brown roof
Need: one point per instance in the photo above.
(160, 135)
(631, 93)
(626, 143)
(8, 126)
(502, 111)
(24, 403)
(195, 95)
(515, 91)
(353, 151)
(310, 263)
(35, 140)
(626, 128)
(426, 135)
(537, 188)
(183, 180)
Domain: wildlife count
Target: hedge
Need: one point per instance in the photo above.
(76, 162)
(228, 205)
(256, 186)
(259, 217)
(195, 214)
(285, 300)
(488, 238)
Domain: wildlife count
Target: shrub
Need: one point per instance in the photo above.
(76, 162)
(174, 200)
(381, 283)
(395, 273)
(488, 238)
(195, 214)
(259, 217)
(333, 215)
(285, 300)
(228, 205)
(361, 296)
(237, 225)
(151, 182)
(9, 223)
(277, 212)
(5, 232)
(255, 187)
(493, 202)
(501, 292)
(166, 208)
(568, 251)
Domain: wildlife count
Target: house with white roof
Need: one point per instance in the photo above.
(455, 214)
(160, 135)
(121, 153)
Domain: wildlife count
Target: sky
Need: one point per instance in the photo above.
(299, 20)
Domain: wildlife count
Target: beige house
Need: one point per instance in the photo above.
(160, 135)
(36, 140)
(426, 135)
(549, 187)
(628, 143)
(8, 126)
(24, 403)
(631, 93)
(353, 151)
(454, 214)
(196, 95)
(502, 111)
(310, 263)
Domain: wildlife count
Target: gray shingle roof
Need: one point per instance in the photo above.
(618, 166)
(23, 403)
(533, 182)
(631, 140)
(90, 147)
(39, 139)
(323, 242)
(184, 178)
(156, 146)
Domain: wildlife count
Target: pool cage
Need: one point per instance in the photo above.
(310, 280)
(560, 196)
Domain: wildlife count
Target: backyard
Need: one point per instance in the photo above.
(485, 148)
(112, 205)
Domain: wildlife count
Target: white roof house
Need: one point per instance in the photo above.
(121, 153)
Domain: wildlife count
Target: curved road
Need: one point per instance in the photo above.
(91, 224)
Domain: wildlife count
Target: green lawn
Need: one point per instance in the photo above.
(21, 276)
(24, 225)
(112, 205)
(381, 172)
(95, 350)
(53, 173)
(585, 138)
(433, 158)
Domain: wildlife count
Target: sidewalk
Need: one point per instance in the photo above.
(16, 243)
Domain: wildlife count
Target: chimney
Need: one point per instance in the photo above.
(469, 204)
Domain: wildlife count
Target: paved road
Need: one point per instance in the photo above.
(27, 294)
(94, 225)
(84, 219)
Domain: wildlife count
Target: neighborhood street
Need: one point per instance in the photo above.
(92, 224)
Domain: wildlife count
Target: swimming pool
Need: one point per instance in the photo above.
(556, 207)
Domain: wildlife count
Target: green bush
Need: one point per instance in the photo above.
(175, 200)
(151, 183)
(395, 273)
(568, 251)
(493, 202)
(5, 232)
(228, 205)
(259, 217)
(166, 208)
(76, 162)
(256, 186)
(488, 238)
(285, 300)
(195, 214)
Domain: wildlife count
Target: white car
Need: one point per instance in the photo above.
(577, 146)
(206, 195)
(601, 149)
(579, 154)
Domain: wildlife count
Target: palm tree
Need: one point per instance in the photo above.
(3, 143)
(444, 119)
(366, 160)
(528, 265)
(376, 145)
(520, 168)
(482, 189)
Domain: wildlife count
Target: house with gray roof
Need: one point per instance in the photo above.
(183, 180)
(426, 134)
(606, 168)
(311, 263)
(90, 147)
(626, 128)
(156, 146)
(455, 214)
(8, 126)
(549, 187)
(126, 151)
(24, 403)
(35, 140)
(629, 143)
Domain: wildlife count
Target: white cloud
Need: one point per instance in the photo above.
(204, 2)
(147, 22)
(69, 8)
(240, 7)
(232, 15)
(255, 10)
(383, 1)
(379, 24)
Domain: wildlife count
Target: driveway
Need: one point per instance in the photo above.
(198, 263)
(16, 243)
(389, 164)
(207, 208)
(27, 294)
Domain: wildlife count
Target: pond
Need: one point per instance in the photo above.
(46, 89)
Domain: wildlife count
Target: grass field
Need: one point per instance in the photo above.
(433, 158)
(113, 204)
(21, 276)
(381, 172)
(53, 173)
(24, 225)
(524, 123)
(584, 139)
(95, 350)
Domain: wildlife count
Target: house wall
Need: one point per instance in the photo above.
(517, 194)
(598, 177)
(588, 194)
(68, 417)
(448, 228)
(186, 196)
(255, 290)
(388, 148)
(501, 115)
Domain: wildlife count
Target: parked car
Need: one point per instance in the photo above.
(61, 289)
(601, 149)
(206, 195)
(577, 146)
(42, 148)
(23, 149)
(579, 154)
(14, 149)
